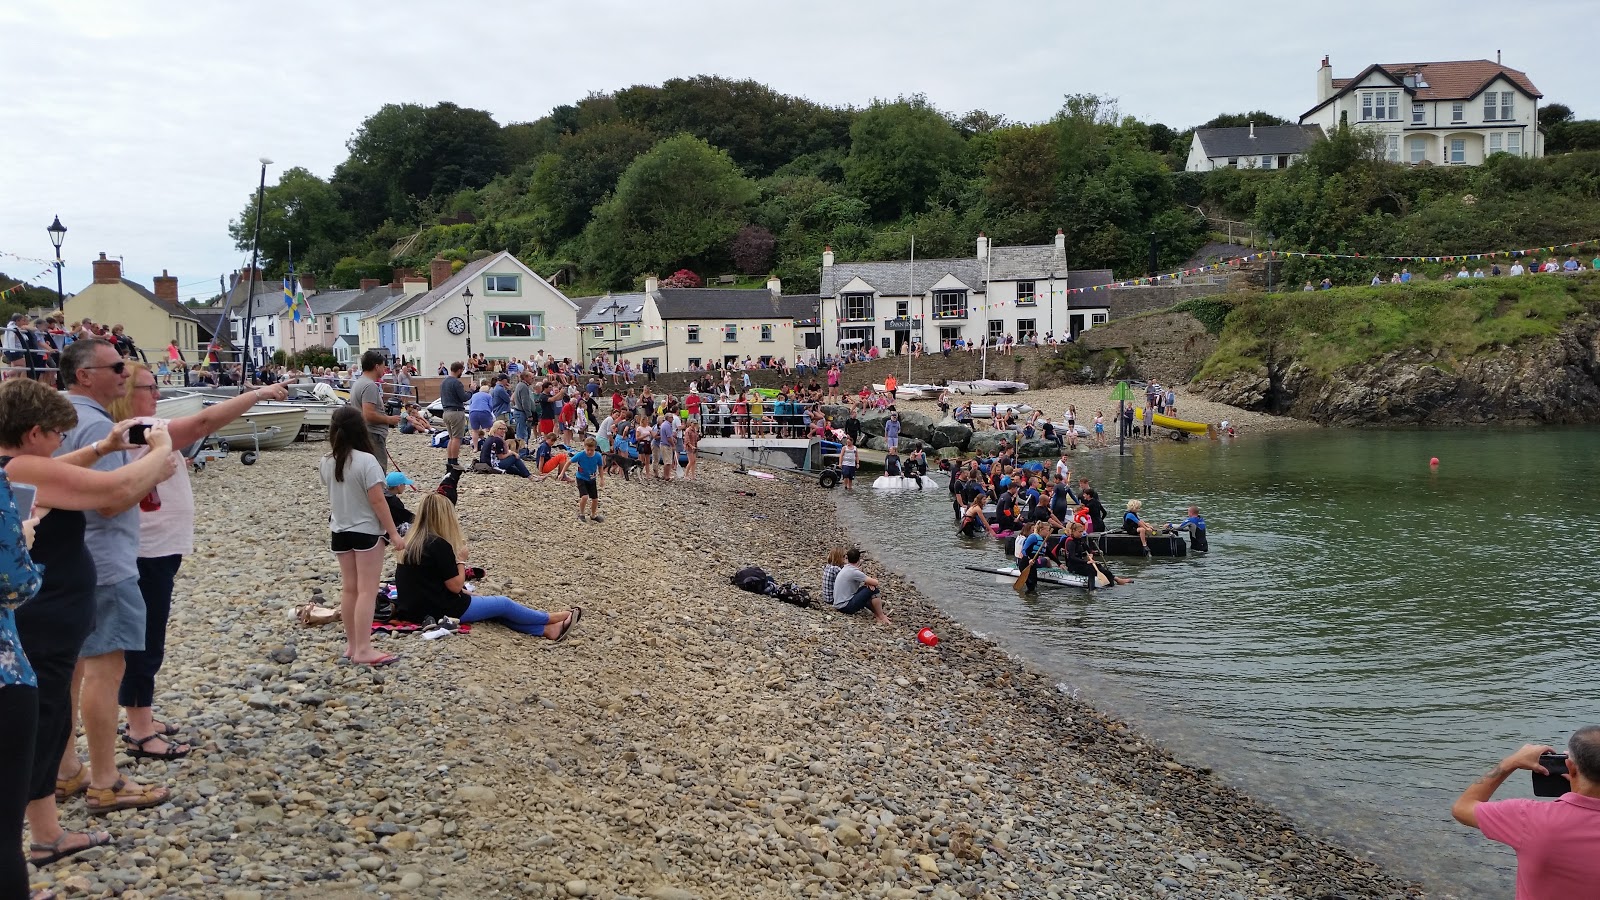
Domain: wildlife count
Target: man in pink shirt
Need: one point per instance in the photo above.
(1557, 843)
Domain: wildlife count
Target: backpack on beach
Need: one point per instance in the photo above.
(755, 580)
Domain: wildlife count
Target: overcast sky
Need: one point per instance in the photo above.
(140, 122)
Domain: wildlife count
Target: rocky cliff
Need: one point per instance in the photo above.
(1551, 380)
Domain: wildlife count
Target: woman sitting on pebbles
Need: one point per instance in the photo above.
(432, 575)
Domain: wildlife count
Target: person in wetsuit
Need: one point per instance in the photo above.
(1097, 510)
(1082, 559)
(1195, 524)
(973, 522)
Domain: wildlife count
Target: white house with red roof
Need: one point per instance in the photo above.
(1440, 113)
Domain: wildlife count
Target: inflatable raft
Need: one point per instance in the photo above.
(901, 483)
(1047, 575)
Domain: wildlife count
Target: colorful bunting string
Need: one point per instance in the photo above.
(24, 283)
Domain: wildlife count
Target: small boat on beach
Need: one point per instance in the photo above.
(986, 410)
(263, 429)
(912, 391)
(179, 405)
(988, 386)
(1048, 575)
(319, 414)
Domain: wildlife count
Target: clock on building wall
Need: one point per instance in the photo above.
(456, 324)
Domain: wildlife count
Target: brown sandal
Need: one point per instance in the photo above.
(67, 788)
(125, 795)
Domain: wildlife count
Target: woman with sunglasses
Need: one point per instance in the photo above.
(54, 624)
(166, 536)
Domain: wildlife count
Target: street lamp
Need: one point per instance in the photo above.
(58, 233)
(466, 297)
(616, 334)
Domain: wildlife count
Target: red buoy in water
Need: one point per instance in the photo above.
(1433, 463)
(926, 636)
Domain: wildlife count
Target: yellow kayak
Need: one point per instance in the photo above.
(1180, 424)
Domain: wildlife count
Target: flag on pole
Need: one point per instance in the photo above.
(293, 297)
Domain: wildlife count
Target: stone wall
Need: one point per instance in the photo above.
(1131, 301)
(1167, 347)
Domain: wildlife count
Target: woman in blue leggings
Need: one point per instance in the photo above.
(432, 574)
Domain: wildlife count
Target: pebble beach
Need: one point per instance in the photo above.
(689, 740)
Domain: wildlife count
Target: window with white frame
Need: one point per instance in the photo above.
(997, 330)
(1418, 149)
(950, 304)
(1266, 162)
(766, 333)
(1514, 143)
(1097, 319)
(1391, 147)
(1233, 162)
(598, 330)
(1494, 142)
(1026, 329)
(502, 284)
(857, 307)
(1458, 112)
(1419, 114)
(730, 332)
(1499, 105)
(1025, 294)
(515, 326)
(694, 362)
(1380, 106)
(902, 309)
(1458, 151)
(694, 333)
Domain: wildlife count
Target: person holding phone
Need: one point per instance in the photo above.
(1557, 844)
(19, 686)
(54, 624)
(166, 536)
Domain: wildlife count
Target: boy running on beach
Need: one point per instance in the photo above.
(589, 478)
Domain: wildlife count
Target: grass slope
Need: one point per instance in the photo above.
(1331, 330)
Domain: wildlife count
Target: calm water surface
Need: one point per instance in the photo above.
(1364, 639)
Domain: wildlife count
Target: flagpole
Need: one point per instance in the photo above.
(294, 310)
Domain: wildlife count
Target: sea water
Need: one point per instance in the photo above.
(1366, 636)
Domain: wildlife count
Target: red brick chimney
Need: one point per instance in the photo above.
(107, 271)
(368, 284)
(307, 282)
(167, 287)
(441, 270)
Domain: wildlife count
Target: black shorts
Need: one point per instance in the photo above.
(347, 541)
(588, 488)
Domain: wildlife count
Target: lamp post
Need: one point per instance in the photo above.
(58, 233)
(616, 335)
(466, 297)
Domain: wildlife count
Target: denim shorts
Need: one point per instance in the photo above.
(119, 619)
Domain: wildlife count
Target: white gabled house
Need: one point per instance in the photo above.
(512, 312)
(1018, 291)
(1455, 113)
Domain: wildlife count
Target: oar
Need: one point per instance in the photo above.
(1022, 580)
(1101, 573)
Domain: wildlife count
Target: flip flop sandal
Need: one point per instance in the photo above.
(56, 852)
(577, 613)
(125, 795)
(136, 748)
(387, 659)
(67, 788)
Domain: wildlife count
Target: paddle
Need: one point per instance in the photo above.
(1100, 574)
(1022, 580)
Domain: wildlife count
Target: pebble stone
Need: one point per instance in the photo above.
(687, 741)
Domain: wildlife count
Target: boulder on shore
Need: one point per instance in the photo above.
(872, 422)
(950, 433)
(917, 425)
(1038, 448)
(988, 443)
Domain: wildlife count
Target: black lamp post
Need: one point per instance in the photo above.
(58, 233)
(466, 297)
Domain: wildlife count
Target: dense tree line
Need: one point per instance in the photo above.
(716, 176)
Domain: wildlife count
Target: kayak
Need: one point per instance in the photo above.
(1050, 576)
(1161, 421)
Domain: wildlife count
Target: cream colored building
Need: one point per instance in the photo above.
(1438, 113)
(151, 318)
(683, 328)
